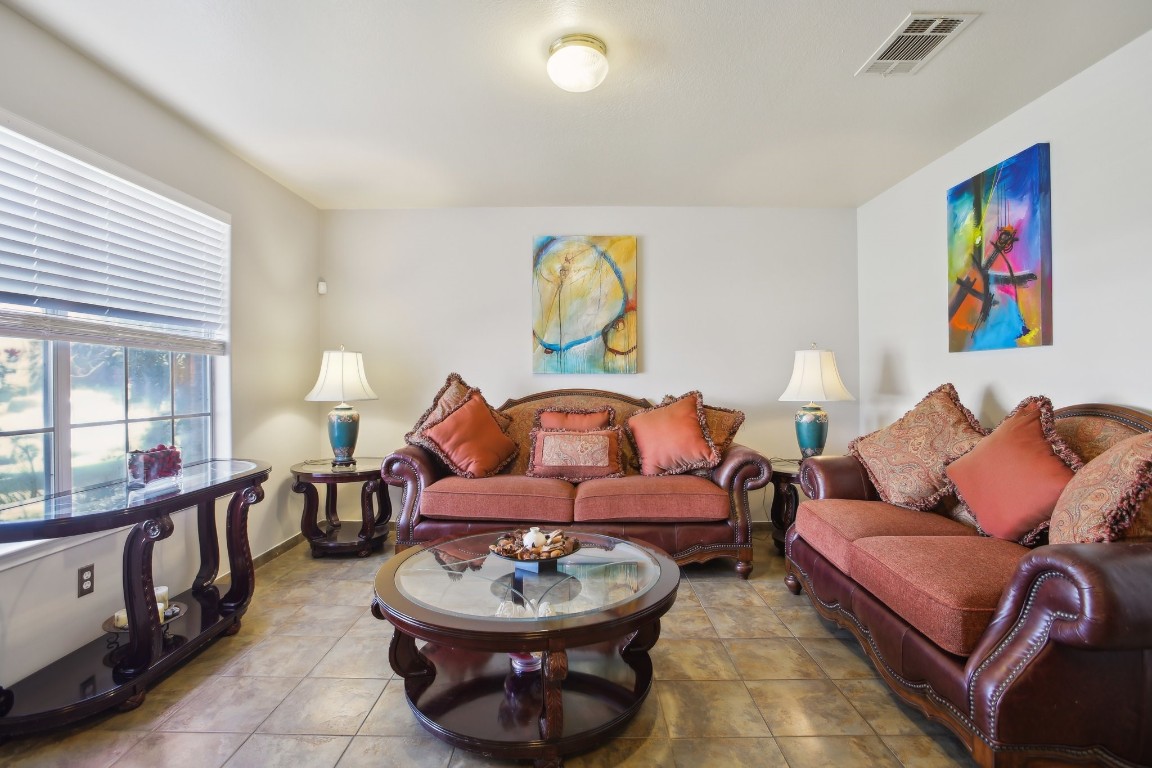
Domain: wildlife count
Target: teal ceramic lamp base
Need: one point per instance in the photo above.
(343, 429)
(811, 430)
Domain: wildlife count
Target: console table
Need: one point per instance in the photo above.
(93, 678)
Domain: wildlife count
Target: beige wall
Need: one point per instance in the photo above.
(275, 246)
(1098, 124)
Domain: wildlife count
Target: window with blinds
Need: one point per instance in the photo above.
(87, 256)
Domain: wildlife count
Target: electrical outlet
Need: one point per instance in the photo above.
(85, 580)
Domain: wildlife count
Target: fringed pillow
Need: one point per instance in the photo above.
(467, 438)
(1110, 498)
(1012, 478)
(906, 459)
(577, 455)
(673, 438)
(576, 419)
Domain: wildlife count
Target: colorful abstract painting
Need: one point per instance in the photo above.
(584, 304)
(1000, 256)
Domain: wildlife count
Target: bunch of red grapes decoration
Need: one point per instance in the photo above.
(152, 464)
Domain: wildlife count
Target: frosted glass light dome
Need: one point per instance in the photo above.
(578, 63)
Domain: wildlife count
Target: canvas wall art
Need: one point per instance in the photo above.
(584, 304)
(1000, 256)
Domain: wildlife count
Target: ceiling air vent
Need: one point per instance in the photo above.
(918, 38)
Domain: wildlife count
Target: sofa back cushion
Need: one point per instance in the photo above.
(1091, 430)
(1110, 498)
(522, 415)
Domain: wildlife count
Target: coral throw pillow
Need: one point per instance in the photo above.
(576, 456)
(575, 418)
(450, 397)
(722, 423)
(469, 440)
(906, 459)
(1110, 498)
(1013, 477)
(673, 438)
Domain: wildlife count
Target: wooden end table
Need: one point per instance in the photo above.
(335, 537)
(785, 498)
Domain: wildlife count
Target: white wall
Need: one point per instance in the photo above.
(275, 246)
(1098, 124)
(722, 306)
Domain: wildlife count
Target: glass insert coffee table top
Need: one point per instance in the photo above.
(463, 577)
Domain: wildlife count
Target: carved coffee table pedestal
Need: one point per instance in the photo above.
(595, 670)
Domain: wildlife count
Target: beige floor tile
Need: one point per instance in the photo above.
(772, 659)
(280, 657)
(773, 592)
(231, 704)
(319, 620)
(686, 596)
(625, 753)
(686, 659)
(884, 711)
(929, 752)
(182, 750)
(223, 652)
(687, 622)
(841, 659)
(355, 657)
(701, 753)
(265, 750)
(732, 593)
(391, 715)
(806, 708)
(838, 751)
(395, 752)
(72, 748)
(157, 707)
(370, 626)
(698, 709)
(803, 621)
(324, 706)
(750, 621)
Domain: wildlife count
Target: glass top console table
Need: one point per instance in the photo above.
(525, 664)
(93, 678)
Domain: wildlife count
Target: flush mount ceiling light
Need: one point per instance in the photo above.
(578, 63)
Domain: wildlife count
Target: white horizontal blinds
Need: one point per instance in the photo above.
(88, 256)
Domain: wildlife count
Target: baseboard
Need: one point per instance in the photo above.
(277, 550)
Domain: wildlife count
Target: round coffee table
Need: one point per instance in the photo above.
(523, 664)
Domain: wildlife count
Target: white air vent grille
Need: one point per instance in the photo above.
(918, 38)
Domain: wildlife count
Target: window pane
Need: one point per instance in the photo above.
(149, 383)
(98, 455)
(97, 383)
(22, 385)
(190, 381)
(143, 435)
(24, 467)
(192, 439)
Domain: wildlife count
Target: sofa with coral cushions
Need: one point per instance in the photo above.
(1015, 604)
(580, 459)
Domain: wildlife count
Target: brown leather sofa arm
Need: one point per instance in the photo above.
(742, 468)
(836, 477)
(411, 468)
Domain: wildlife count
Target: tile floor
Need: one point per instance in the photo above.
(747, 674)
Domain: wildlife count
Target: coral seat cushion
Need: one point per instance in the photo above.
(1013, 477)
(513, 498)
(636, 498)
(947, 587)
(470, 441)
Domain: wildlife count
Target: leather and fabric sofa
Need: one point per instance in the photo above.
(458, 477)
(1033, 654)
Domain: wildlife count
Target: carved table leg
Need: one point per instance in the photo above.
(145, 641)
(405, 659)
(209, 541)
(239, 552)
(785, 499)
(368, 515)
(553, 671)
(308, 525)
(330, 505)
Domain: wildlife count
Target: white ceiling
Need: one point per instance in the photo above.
(429, 103)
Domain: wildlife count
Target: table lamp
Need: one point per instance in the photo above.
(342, 379)
(814, 379)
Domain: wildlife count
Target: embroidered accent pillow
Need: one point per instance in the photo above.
(1012, 478)
(905, 460)
(468, 439)
(1110, 498)
(673, 438)
(576, 455)
(577, 419)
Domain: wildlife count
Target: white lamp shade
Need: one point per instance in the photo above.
(815, 378)
(577, 63)
(341, 378)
